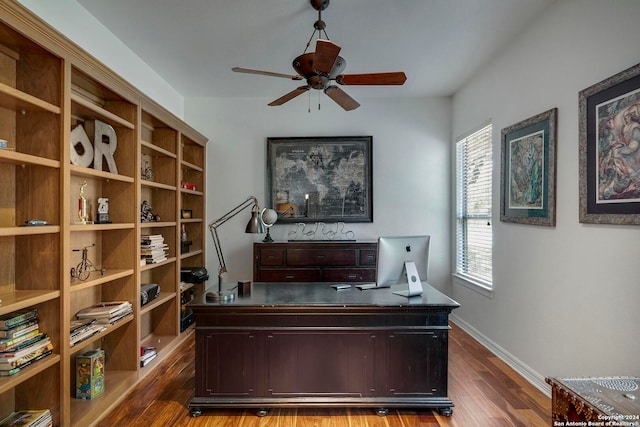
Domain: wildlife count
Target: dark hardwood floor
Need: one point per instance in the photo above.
(485, 391)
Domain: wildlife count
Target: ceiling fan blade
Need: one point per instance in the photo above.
(289, 96)
(341, 98)
(395, 78)
(266, 73)
(325, 56)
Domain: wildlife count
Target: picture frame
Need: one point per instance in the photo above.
(320, 179)
(528, 170)
(609, 145)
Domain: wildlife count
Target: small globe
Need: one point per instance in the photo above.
(269, 217)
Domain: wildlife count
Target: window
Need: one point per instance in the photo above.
(474, 241)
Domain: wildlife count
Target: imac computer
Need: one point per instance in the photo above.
(400, 260)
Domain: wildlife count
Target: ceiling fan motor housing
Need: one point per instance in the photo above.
(303, 65)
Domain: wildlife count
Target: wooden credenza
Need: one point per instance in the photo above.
(314, 262)
(308, 345)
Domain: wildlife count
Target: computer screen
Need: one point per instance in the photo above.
(394, 252)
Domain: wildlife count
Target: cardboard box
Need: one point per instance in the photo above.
(90, 374)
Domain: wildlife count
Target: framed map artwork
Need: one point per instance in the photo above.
(320, 179)
(528, 175)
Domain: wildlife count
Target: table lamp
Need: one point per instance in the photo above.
(255, 225)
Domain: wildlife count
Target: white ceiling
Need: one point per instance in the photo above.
(193, 44)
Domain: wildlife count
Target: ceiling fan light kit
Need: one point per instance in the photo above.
(324, 66)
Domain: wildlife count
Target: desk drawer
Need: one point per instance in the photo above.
(335, 257)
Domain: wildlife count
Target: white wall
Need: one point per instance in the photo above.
(566, 298)
(410, 166)
(72, 20)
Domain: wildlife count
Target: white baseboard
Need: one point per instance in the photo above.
(516, 364)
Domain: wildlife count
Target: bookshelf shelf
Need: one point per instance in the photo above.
(14, 99)
(161, 299)
(21, 299)
(96, 278)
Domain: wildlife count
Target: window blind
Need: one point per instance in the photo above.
(474, 237)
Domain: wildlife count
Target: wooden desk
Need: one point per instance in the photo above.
(606, 401)
(291, 344)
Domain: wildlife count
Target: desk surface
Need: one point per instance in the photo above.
(323, 295)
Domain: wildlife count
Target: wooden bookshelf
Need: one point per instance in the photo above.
(49, 87)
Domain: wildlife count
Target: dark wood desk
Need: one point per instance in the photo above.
(291, 344)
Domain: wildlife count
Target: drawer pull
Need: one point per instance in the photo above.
(352, 276)
(289, 276)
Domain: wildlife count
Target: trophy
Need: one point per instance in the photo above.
(103, 211)
(83, 206)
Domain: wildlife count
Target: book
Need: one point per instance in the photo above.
(14, 319)
(79, 325)
(102, 309)
(145, 362)
(15, 370)
(28, 418)
(14, 359)
(8, 343)
(20, 329)
(83, 329)
(22, 361)
(24, 344)
(95, 329)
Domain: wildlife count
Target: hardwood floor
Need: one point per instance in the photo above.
(485, 391)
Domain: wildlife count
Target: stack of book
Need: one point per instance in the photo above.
(21, 341)
(34, 418)
(147, 354)
(83, 329)
(106, 313)
(152, 249)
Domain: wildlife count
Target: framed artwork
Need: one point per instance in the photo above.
(528, 171)
(610, 150)
(320, 179)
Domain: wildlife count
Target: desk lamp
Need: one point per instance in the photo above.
(254, 226)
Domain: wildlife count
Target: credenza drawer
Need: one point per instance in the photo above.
(349, 275)
(321, 257)
(368, 257)
(271, 257)
(290, 275)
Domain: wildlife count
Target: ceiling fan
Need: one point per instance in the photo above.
(324, 66)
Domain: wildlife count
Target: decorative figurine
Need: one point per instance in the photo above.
(146, 213)
(103, 211)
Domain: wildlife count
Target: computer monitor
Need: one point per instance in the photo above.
(403, 259)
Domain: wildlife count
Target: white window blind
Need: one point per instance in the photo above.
(474, 239)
